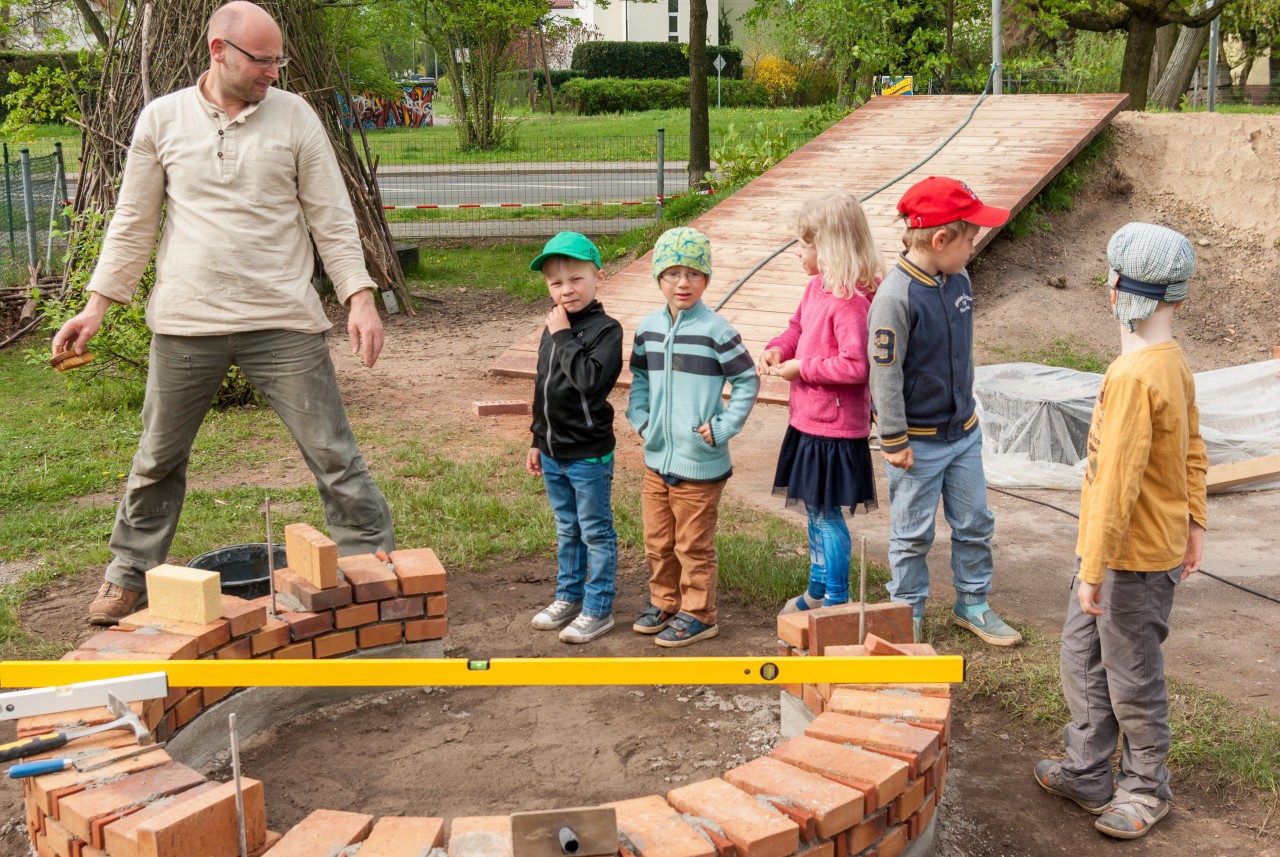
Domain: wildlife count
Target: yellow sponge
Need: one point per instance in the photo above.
(184, 594)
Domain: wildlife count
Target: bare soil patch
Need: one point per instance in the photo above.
(477, 751)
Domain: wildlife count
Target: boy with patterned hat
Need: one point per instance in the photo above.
(579, 360)
(1142, 524)
(921, 354)
(682, 356)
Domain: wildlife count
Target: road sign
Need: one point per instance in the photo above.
(719, 63)
(462, 54)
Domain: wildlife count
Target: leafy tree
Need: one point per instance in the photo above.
(699, 118)
(1256, 23)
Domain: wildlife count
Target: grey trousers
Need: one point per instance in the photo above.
(295, 375)
(1112, 671)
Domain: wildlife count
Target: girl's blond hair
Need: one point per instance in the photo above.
(848, 258)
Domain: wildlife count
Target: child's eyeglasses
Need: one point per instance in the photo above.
(672, 276)
(263, 63)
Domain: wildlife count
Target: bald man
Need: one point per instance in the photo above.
(247, 180)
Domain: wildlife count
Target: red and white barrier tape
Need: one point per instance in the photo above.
(659, 201)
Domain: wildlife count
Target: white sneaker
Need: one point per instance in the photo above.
(556, 615)
(586, 628)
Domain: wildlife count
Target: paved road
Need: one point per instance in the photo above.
(500, 184)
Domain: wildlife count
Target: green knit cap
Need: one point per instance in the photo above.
(682, 245)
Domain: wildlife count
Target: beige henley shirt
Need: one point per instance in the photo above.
(238, 196)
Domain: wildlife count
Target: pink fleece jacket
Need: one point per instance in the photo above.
(829, 336)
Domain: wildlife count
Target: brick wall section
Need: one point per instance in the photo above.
(865, 779)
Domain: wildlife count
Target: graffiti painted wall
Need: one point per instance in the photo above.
(411, 110)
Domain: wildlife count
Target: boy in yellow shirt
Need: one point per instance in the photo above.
(1142, 523)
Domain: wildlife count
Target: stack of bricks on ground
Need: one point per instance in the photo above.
(865, 778)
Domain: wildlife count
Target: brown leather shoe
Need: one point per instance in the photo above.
(113, 603)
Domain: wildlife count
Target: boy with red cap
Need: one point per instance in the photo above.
(921, 355)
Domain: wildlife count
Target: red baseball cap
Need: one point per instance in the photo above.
(936, 201)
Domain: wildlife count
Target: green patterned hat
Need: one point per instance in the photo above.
(683, 245)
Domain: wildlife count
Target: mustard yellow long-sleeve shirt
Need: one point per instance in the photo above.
(1146, 468)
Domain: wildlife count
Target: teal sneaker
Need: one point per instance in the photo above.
(917, 630)
(983, 621)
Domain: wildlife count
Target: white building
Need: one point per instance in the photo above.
(663, 21)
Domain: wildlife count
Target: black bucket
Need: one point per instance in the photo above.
(243, 568)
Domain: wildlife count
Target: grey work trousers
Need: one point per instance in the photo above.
(1112, 671)
(294, 374)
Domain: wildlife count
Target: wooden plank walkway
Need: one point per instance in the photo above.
(1009, 151)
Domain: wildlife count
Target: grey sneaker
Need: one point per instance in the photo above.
(556, 615)
(1131, 815)
(652, 620)
(989, 627)
(1049, 776)
(586, 628)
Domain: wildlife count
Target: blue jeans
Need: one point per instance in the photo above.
(829, 552)
(580, 494)
(952, 470)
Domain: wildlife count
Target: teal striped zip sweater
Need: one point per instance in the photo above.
(678, 372)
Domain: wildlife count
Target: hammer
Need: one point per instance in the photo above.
(125, 718)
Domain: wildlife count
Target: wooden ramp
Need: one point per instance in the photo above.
(1009, 151)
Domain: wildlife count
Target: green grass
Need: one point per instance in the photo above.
(1231, 745)
(1066, 352)
(40, 141)
(1230, 108)
(505, 266)
(1060, 193)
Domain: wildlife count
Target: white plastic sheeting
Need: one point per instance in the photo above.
(1035, 420)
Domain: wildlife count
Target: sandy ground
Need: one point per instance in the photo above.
(1213, 177)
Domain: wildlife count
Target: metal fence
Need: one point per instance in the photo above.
(532, 188)
(33, 216)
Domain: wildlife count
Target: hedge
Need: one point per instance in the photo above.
(589, 96)
(26, 62)
(649, 60)
(521, 77)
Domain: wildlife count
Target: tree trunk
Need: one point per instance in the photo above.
(1173, 83)
(1135, 71)
(91, 21)
(699, 120)
(1166, 38)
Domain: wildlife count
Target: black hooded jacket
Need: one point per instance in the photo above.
(572, 417)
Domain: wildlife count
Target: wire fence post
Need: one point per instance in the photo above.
(8, 196)
(55, 205)
(29, 208)
(662, 169)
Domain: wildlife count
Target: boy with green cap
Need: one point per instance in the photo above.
(682, 356)
(579, 360)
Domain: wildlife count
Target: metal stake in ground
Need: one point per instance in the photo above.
(271, 562)
(235, 772)
(862, 593)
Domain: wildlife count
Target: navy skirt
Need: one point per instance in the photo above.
(828, 472)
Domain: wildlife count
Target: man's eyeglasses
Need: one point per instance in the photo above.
(671, 276)
(263, 63)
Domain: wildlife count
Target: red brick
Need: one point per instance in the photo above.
(437, 605)
(208, 824)
(188, 707)
(239, 649)
(380, 635)
(303, 626)
(877, 646)
(819, 849)
(410, 607)
(274, 634)
(756, 830)
(879, 778)
(913, 649)
(403, 837)
(479, 836)
(838, 626)
(870, 831)
(917, 747)
(812, 699)
(245, 617)
(420, 571)
(273, 839)
(296, 651)
(216, 694)
(906, 804)
(48, 789)
(312, 597)
(426, 629)
(655, 827)
(120, 836)
(833, 806)
(337, 643)
(920, 821)
(793, 629)
(369, 577)
(899, 705)
(356, 614)
(61, 841)
(78, 811)
(311, 555)
(169, 647)
(894, 842)
(208, 636)
(324, 831)
(516, 407)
